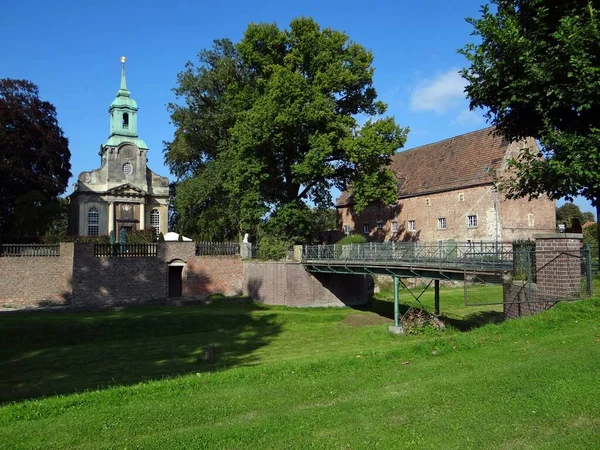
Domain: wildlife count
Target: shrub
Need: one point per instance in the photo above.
(352, 239)
(161, 237)
(88, 239)
(140, 237)
(272, 248)
(417, 321)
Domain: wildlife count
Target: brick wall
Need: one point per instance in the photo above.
(287, 283)
(103, 281)
(36, 280)
(206, 275)
(79, 278)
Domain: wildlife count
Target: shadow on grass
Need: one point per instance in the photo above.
(477, 319)
(47, 352)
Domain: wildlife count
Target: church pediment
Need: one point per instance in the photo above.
(127, 190)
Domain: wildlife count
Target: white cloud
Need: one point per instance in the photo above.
(468, 117)
(439, 94)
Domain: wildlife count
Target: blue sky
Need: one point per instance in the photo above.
(71, 50)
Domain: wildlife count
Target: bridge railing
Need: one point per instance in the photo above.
(481, 254)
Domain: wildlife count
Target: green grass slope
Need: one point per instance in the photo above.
(249, 376)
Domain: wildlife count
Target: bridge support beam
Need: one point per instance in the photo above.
(436, 306)
(396, 328)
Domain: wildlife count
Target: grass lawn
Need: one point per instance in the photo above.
(244, 375)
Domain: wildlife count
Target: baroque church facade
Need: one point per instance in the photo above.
(123, 194)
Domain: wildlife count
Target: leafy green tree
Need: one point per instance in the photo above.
(588, 216)
(57, 230)
(537, 72)
(34, 162)
(269, 125)
(590, 236)
(567, 212)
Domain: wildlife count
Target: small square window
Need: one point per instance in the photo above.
(472, 221)
(366, 228)
(461, 197)
(442, 223)
(394, 226)
(346, 230)
(380, 224)
(412, 225)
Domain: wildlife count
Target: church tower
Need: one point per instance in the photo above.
(123, 193)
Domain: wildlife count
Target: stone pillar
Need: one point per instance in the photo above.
(246, 250)
(143, 215)
(111, 217)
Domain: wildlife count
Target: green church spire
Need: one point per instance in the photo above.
(123, 92)
(123, 116)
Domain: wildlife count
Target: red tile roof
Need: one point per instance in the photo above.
(454, 163)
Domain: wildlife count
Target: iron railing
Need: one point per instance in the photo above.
(217, 248)
(12, 250)
(125, 250)
(492, 255)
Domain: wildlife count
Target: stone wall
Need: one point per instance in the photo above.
(36, 280)
(287, 283)
(497, 218)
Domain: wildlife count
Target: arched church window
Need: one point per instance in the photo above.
(155, 220)
(93, 221)
(125, 120)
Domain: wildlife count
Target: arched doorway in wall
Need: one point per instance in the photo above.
(176, 277)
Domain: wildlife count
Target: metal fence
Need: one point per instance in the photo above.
(538, 278)
(493, 255)
(125, 250)
(14, 250)
(217, 248)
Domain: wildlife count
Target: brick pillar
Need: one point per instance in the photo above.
(558, 266)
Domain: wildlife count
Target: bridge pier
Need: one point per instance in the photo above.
(396, 328)
(436, 306)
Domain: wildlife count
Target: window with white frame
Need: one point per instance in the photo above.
(427, 202)
(472, 221)
(441, 223)
(461, 197)
(366, 228)
(155, 220)
(380, 224)
(394, 226)
(93, 221)
(346, 230)
(412, 225)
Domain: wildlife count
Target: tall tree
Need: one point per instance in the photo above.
(567, 212)
(537, 72)
(34, 161)
(270, 125)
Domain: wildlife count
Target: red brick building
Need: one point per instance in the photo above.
(446, 193)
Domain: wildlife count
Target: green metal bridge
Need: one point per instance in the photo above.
(448, 261)
(444, 261)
